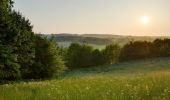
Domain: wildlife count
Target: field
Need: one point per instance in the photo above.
(134, 80)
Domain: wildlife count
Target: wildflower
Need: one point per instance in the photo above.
(87, 88)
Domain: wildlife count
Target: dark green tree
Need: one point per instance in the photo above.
(17, 38)
(79, 56)
(25, 43)
(48, 62)
(72, 56)
(111, 53)
(9, 67)
(161, 47)
(22, 54)
(136, 50)
(97, 57)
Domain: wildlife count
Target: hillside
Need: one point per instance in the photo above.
(135, 80)
(99, 40)
(136, 67)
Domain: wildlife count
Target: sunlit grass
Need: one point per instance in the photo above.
(143, 80)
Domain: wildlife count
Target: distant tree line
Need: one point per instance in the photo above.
(83, 55)
(81, 39)
(143, 49)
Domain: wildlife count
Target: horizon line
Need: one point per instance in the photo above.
(103, 34)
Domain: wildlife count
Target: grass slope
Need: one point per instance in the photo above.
(135, 80)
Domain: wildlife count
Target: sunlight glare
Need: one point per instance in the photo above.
(145, 20)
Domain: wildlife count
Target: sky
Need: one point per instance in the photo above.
(120, 17)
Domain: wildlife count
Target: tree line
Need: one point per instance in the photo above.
(83, 55)
(143, 49)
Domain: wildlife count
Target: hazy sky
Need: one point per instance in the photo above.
(98, 16)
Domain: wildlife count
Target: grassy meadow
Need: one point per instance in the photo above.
(84, 50)
(134, 80)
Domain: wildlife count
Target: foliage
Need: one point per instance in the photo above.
(85, 56)
(48, 61)
(20, 48)
(9, 68)
(111, 53)
(79, 56)
(143, 50)
(136, 50)
(25, 42)
(162, 47)
(97, 57)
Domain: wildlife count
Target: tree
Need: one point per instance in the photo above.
(85, 56)
(25, 43)
(48, 62)
(9, 67)
(72, 56)
(111, 53)
(136, 50)
(17, 38)
(162, 47)
(79, 56)
(97, 57)
(21, 50)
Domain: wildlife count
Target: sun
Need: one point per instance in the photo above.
(145, 20)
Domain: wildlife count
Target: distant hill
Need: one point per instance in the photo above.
(64, 39)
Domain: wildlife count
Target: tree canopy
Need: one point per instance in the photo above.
(20, 48)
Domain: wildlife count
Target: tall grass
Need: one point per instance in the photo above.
(144, 80)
